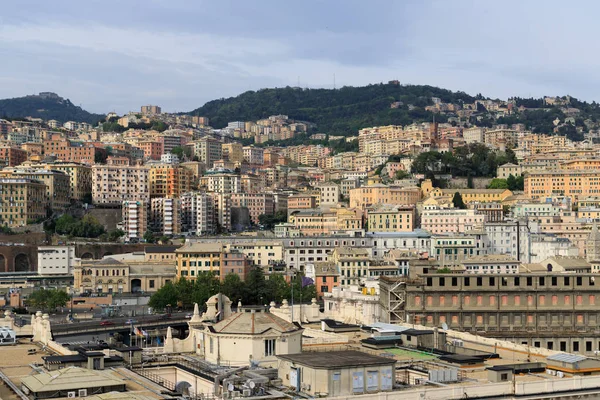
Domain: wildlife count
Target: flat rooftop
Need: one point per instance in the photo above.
(337, 359)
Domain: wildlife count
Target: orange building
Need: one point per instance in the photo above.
(326, 278)
(168, 180)
(12, 156)
(152, 150)
(301, 202)
(65, 150)
(234, 262)
(574, 183)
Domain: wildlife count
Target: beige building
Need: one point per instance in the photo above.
(388, 218)
(193, 258)
(113, 276)
(221, 183)
(250, 336)
(329, 193)
(207, 149)
(233, 152)
(117, 181)
(576, 184)
(337, 373)
(57, 183)
(261, 253)
(22, 201)
(80, 176)
(366, 196)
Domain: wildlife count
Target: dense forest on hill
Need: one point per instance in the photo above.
(341, 111)
(46, 107)
(346, 110)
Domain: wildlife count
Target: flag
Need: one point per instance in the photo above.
(144, 333)
(306, 281)
(137, 332)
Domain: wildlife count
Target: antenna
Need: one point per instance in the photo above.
(334, 81)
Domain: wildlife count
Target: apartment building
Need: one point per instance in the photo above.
(451, 220)
(253, 155)
(450, 250)
(135, 219)
(490, 264)
(256, 203)
(80, 178)
(152, 149)
(233, 152)
(118, 181)
(366, 196)
(473, 195)
(329, 193)
(164, 216)
(390, 218)
(12, 156)
(502, 138)
(168, 180)
(222, 202)
(221, 183)
(352, 263)
(207, 149)
(234, 262)
(198, 213)
(150, 110)
(193, 258)
(69, 151)
(261, 253)
(22, 201)
(57, 184)
(575, 184)
(474, 135)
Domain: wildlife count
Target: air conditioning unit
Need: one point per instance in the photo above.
(247, 392)
(71, 395)
(82, 393)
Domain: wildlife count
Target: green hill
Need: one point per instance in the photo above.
(47, 106)
(341, 111)
(344, 111)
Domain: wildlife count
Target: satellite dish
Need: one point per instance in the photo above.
(251, 384)
(445, 326)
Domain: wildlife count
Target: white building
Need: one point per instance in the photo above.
(135, 219)
(222, 183)
(197, 213)
(55, 260)
(451, 220)
(330, 193)
(491, 264)
(511, 238)
(169, 158)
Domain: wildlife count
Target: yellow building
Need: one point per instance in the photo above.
(260, 253)
(57, 184)
(22, 201)
(193, 258)
(234, 152)
(474, 195)
(387, 218)
(353, 264)
(575, 184)
(80, 176)
(168, 180)
(366, 196)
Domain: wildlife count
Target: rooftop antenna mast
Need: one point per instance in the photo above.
(334, 81)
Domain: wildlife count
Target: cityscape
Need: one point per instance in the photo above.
(379, 239)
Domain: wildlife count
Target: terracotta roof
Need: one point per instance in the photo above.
(254, 323)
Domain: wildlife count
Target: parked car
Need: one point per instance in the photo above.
(188, 316)
(131, 321)
(106, 323)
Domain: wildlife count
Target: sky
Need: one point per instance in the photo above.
(110, 55)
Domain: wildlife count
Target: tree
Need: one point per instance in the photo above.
(234, 288)
(458, 202)
(178, 151)
(88, 226)
(115, 235)
(498, 183)
(48, 299)
(166, 295)
(148, 237)
(402, 174)
(257, 287)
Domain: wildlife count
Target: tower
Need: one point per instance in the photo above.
(592, 245)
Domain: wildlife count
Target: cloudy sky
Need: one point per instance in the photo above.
(117, 55)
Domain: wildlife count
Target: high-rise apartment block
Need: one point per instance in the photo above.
(117, 181)
(164, 216)
(198, 213)
(135, 219)
(169, 180)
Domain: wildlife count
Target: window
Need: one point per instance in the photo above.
(467, 282)
(211, 345)
(454, 281)
(269, 347)
(442, 281)
(575, 346)
(504, 377)
(517, 281)
(429, 282)
(529, 281)
(151, 283)
(479, 281)
(554, 281)
(579, 281)
(588, 346)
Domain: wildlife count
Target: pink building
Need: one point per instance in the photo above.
(451, 220)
